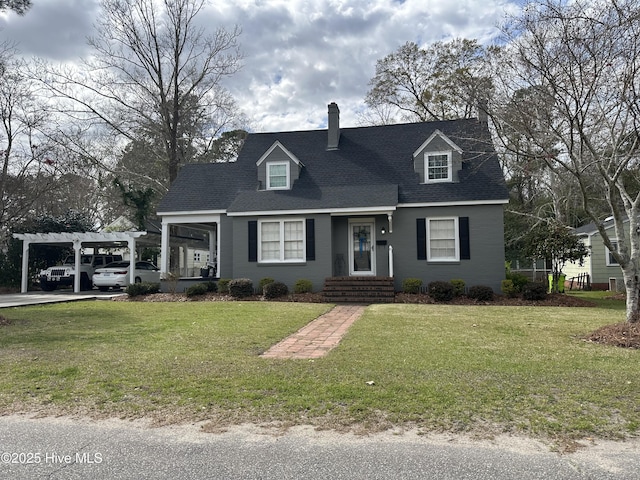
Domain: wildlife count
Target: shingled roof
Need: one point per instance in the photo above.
(373, 167)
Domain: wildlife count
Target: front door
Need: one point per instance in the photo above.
(362, 260)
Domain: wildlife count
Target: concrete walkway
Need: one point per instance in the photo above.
(38, 298)
(317, 338)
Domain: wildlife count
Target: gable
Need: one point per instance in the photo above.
(278, 168)
(438, 159)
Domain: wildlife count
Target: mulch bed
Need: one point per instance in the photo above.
(553, 300)
(626, 335)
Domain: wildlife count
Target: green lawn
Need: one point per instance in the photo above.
(454, 368)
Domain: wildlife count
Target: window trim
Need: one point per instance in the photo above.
(456, 238)
(609, 260)
(281, 259)
(287, 174)
(449, 155)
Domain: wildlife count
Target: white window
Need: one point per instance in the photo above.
(281, 241)
(442, 240)
(609, 256)
(437, 167)
(277, 175)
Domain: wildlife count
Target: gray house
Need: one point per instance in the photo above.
(420, 200)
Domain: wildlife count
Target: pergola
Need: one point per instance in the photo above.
(78, 240)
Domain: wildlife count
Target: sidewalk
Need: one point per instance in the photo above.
(317, 338)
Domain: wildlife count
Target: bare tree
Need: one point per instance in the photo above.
(18, 6)
(31, 164)
(155, 75)
(582, 59)
(442, 81)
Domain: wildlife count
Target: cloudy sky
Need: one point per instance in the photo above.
(300, 55)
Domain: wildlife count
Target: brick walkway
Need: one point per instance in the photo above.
(315, 339)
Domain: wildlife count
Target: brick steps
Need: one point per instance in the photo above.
(359, 290)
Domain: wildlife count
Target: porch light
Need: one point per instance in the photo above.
(383, 231)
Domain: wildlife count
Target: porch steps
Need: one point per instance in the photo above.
(359, 290)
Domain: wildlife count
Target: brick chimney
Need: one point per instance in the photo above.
(333, 127)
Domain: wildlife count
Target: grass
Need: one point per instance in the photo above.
(455, 368)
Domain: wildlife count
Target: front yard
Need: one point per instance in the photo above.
(462, 368)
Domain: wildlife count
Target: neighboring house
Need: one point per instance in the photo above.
(420, 200)
(603, 270)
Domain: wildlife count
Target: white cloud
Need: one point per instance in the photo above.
(55, 29)
(300, 55)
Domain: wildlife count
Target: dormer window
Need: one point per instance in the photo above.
(278, 168)
(277, 175)
(438, 159)
(437, 167)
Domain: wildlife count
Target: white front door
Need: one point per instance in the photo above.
(362, 259)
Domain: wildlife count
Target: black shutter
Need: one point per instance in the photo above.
(421, 238)
(311, 239)
(465, 249)
(253, 241)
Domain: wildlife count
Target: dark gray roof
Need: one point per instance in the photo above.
(372, 167)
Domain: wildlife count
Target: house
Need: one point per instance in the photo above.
(603, 271)
(421, 200)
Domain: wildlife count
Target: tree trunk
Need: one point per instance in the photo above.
(632, 284)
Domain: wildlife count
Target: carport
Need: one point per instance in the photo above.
(78, 240)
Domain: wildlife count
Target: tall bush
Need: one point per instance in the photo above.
(275, 290)
(458, 287)
(411, 285)
(440, 291)
(303, 286)
(240, 288)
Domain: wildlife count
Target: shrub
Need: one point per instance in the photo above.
(211, 286)
(196, 289)
(534, 291)
(508, 288)
(518, 280)
(275, 290)
(458, 286)
(411, 285)
(481, 293)
(240, 287)
(223, 285)
(264, 282)
(144, 288)
(440, 291)
(303, 286)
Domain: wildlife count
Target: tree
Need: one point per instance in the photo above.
(582, 59)
(440, 82)
(154, 77)
(31, 163)
(138, 200)
(42, 255)
(554, 241)
(18, 6)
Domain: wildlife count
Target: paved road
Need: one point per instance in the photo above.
(60, 448)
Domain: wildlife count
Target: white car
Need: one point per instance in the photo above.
(116, 275)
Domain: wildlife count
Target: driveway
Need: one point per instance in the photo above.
(57, 296)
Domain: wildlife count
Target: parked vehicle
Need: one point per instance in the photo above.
(116, 274)
(63, 275)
